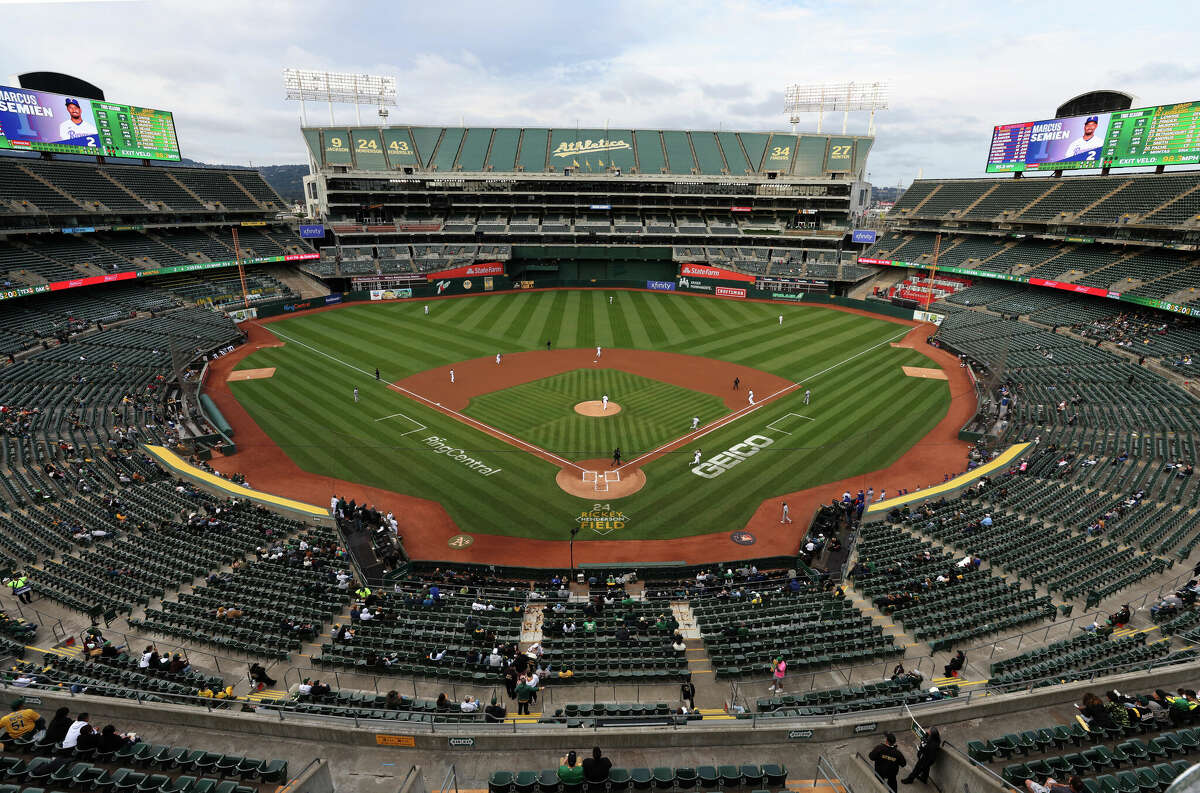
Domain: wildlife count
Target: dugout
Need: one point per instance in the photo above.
(588, 263)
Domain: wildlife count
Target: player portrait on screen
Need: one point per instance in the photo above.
(78, 126)
(1084, 147)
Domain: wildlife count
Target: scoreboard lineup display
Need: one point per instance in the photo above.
(1163, 135)
(43, 121)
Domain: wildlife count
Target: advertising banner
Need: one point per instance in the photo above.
(865, 236)
(928, 316)
(483, 268)
(330, 299)
(391, 294)
(705, 271)
(242, 314)
(42, 121)
(661, 286)
(1067, 287)
(727, 291)
(312, 231)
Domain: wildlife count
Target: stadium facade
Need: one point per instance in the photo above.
(578, 204)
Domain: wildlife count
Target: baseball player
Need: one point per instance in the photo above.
(451, 375)
(356, 393)
(786, 517)
(610, 299)
(695, 422)
(497, 359)
(781, 319)
(426, 309)
(807, 394)
(376, 372)
(696, 457)
(617, 456)
(751, 397)
(604, 403)
(737, 381)
(598, 351)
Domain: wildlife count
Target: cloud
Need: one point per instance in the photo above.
(954, 70)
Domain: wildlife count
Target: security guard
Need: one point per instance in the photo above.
(888, 760)
(18, 582)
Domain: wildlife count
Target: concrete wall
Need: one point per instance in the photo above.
(853, 727)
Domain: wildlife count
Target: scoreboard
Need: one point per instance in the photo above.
(43, 121)
(1163, 135)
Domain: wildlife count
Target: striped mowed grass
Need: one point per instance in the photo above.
(863, 415)
(542, 412)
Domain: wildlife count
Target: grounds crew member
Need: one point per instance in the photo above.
(18, 582)
(888, 760)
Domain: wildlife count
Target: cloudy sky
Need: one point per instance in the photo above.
(955, 69)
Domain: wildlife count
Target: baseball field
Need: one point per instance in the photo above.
(524, 447)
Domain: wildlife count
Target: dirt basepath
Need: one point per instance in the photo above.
(427, 527)
(479, 376)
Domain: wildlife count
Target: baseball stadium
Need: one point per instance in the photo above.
(562, 459)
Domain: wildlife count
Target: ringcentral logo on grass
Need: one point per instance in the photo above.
(440, 446)
(737, 453)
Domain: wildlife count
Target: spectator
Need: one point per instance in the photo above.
(1074, 785)
(469, 705)
(888, 760)
(596, 767)
(56, 730)
(524, 694)
(495, 713)
(72, 736)
(956, 664)
(259, 675)
(88, 739)
(443, 702)
(111, 740)
(148, 657)
(21, 722)
(569, 771)
(1094, 711)
(927, 755)
(687, 693)
(778, 671)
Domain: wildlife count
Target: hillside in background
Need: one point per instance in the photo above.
(286, 179)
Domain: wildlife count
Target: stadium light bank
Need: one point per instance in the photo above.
(833, 97)
(341, 87)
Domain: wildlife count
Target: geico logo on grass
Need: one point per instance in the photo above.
(720, 463)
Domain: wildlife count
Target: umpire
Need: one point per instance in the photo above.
(888, 760)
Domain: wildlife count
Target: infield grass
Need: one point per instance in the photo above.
(864, 413)
(543, 412)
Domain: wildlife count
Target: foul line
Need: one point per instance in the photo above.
(719, 423)
(430, 403)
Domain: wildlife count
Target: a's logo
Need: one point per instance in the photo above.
(742, 538)
(442, 286)
(602, 519)
(467, 284)
(573, 148)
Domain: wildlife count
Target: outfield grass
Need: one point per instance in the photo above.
(865, 413)
(542, 412)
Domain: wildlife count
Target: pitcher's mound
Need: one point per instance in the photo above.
(599, 481)
(250, 374)
(596, 408)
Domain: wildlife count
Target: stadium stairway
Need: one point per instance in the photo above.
(301, 283)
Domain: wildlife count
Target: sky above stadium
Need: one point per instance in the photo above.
(955, 69)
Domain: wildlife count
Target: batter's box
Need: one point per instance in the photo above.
(600, 483)
(789, 422)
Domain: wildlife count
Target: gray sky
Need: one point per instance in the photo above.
(956, 69)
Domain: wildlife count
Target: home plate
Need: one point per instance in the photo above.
(928, 374)
(250, 374)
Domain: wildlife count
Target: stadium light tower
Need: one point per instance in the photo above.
(340, 87)
(845, 97)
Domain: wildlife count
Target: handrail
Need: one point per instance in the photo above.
(972, 761)
(514, 723)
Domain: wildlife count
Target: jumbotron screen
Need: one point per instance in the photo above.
(1163, 135)
(42, 121)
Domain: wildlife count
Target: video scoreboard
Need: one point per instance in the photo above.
(1149, 136)
(43, 121)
